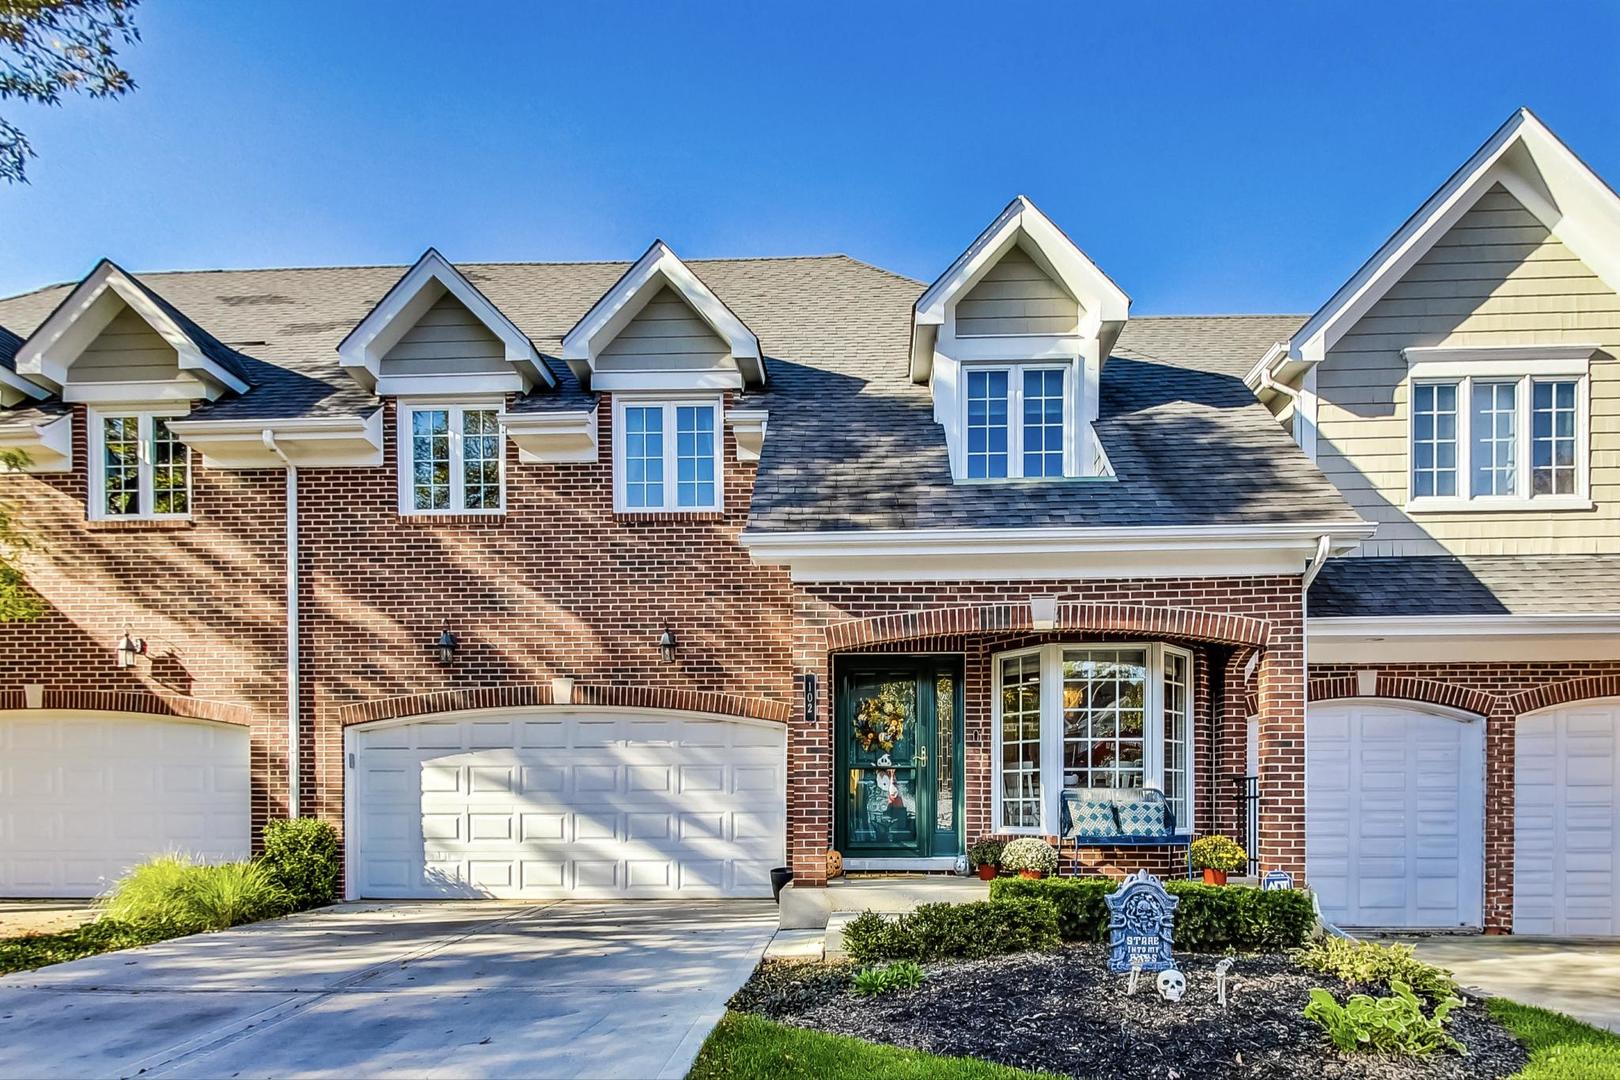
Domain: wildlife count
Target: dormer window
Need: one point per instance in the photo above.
(666, 455)
(1017, 421)
(452, 460)
(140, 469)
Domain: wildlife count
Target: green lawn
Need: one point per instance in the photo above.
(1560, 1048)
(32, 951)
(744, 1047)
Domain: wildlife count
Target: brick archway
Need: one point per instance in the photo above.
(1401, 688)
(146, 703)
(1189, 624)
(533, 694)
(1564, 693)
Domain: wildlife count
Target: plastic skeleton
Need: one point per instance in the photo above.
(1136, 971)
(1220, 978)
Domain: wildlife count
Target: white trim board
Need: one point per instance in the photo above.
(1466, 638)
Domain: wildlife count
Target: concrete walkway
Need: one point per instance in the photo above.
(571, 988)
(1580, 978)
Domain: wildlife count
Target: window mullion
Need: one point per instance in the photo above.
(1153, 729)
(1051, 738)
(672, 499)
(1015, 421)
(1522, 419)
(145, 453)
(458, 493)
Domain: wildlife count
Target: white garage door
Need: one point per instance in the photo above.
(83, 796)
(1566, 775)
(1395, 815)
(556, 804)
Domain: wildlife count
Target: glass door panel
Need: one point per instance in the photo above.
(884, 752)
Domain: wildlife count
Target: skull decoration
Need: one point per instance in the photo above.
(1172, 984)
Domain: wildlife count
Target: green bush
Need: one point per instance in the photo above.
(1367, 963)
(301, 856)
(947, 931)
(174, 895)
(900, 975)
(1209, 918)
(32, 951)
(1029, 853)
(986, 851)
(1388, 1025)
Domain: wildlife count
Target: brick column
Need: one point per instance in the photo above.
(1282, 690)
(810, 749)
(1501, 729)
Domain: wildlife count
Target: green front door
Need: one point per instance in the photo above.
(899, 756)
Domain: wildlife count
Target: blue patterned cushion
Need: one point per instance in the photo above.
(1089, 815)
(1141, 814)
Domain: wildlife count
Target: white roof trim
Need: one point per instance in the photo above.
(657, 267)
(1105, 303)
(307, 441)
(1477, 638)
(422, 286)
(1530, 161)
(14, 389)
(562, 435)
(48, 441)
(81, 316)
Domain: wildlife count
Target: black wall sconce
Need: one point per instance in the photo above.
(129, 648)
(445, 647)
(666, 645)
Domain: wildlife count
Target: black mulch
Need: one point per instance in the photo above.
(1064, 1012)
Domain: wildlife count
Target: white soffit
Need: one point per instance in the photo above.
(85, 312)
(556, 435)
(424, 284)
(16, 390)
(657, 267)
(1476, 638)
(312, 442)
(47, 440)
(1106, 305)
(1525, 157)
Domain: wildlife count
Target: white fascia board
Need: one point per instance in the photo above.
(93, 303)
(423, 285)
(313, 442)
(48, 443)
(166, 392)
(1445, 361)
(748, 427)
(1106, 305)
(553, 436)
(1475, 638)
(658, 266)
(1541, 172)
(653, 381)
(15, 389)
(451, 387)
(998, 554)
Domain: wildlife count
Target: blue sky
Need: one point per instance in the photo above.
(1210, 157)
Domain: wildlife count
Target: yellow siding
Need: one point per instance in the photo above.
(447, 340)
(1016, 296)
(666, 335)
(127, 350)
(1497, 278)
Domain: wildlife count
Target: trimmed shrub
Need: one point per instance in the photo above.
(951, 931)
(1209, 918)
(301, 856)
(1368, 963)
(174, 895)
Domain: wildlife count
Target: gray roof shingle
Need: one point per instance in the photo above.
(852, 443)
(1419, 585)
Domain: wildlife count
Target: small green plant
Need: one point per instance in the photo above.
(949, 931)
(1217, 853)
(222, 895)
(1387, 1025)
(301, 856)
(1029, 853)
(176, 895)
(900, 975)
(1368, 963)
(986, 851)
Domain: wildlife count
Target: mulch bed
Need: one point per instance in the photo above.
(1063, 1012)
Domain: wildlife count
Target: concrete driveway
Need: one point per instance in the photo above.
(571, 988)
(1578, 977)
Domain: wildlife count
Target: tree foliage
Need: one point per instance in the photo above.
(17, 600)
(52, 48)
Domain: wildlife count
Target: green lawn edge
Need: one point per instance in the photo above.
(745, 1047)
(29, 952)
(1561, 1047)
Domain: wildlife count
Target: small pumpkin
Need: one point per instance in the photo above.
(835, 865)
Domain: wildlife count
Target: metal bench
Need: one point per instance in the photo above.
(1080, 811)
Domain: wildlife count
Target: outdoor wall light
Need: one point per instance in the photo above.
(129, 648)
(446, 646)
(666, 645)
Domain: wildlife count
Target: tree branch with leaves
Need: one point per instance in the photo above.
(52, 48)
(18, 602)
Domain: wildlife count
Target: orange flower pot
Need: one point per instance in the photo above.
(1214, 877)
(1034, 875)
(987, 872)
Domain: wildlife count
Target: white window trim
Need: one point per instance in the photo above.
(1015, 417)
(96, 442)
(1051, 668)
(458, 492)
(669, 403)
(1524, 377)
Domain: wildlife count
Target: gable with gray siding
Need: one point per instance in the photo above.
(666, 334)
(126, 350)
(448, 339)
(1017, 296)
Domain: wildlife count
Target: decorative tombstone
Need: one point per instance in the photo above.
(1141, 919)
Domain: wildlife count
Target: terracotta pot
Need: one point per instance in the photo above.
(1034, 875)
(987, 872)
(1214, 877)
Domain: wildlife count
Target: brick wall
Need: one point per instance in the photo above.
(1501, 692)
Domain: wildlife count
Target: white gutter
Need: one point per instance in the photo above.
(1475, 626)
(294, 750)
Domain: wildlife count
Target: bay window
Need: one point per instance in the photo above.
(139, 468)
(1017, 421)
(1481, 442)
(452, 459)
(1090, 717)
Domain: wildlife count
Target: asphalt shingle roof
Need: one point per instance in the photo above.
(852, 441)
(1467, 585)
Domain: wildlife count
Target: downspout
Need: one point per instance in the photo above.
(294, 750)
(1312, 568)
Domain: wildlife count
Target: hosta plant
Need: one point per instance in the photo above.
(900, 975)
(1387, 1025)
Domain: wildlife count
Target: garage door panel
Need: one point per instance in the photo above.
(1394, 816)
(677, 813)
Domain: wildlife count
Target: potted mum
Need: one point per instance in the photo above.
(985, 853)
(1217, 856)
(1031, 856)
